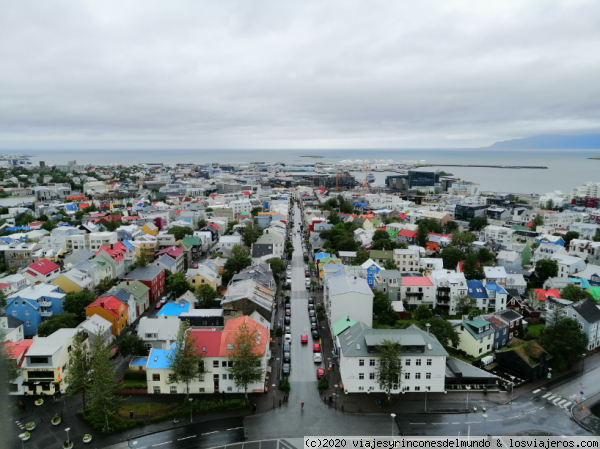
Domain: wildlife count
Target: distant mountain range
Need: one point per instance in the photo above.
(552, 142)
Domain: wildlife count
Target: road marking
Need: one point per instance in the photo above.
(235, 428)
(185, 438)
(472, 422)
(208, 433)
(160, 444)
(533, 411)
(561, 403)
(556, 400)
(546, 395)
(439, 423)
(537, 391)
(552, 396)
(417, 423)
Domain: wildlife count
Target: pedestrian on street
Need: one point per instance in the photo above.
(302, 405)
(333, 366)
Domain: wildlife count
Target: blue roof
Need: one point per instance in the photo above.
(158, 359)
(583, 283)
(476, 289)
(321, 255)
(139, 361)
(6, 239)
(18, 228)
(493, 286)
(128, 245)
(173, 308)
(71, 206)
(360, 204)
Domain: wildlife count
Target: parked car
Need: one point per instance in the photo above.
(311, 307)
(307, 273)
(315, 334)
(313, 319)
(314, 327)
(303, 338)
(287, 337)
(287, 330)
(287, 320)
(311, 313)
(195, 265)
(288, 281)
(287, 357)
(286, 368)
(288, 312)
(307, 282)
(317, 357)
(316, 347)
(287, 347)
(320, 373)
(158, 305)
(288, 305)
(114, 351)
(311, 300)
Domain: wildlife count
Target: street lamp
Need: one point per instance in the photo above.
(468, 387)
(582, 362)
(191, 418)
(425, 400)
(549, 377)
(512, 388)
(273, 386)
(393, 415)
(335, 398)
(67, 430)
(484, 420)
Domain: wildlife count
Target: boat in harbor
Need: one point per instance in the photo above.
(370, 178)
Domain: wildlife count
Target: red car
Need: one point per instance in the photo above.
(320, 373)
(195, 265)
(114, 352)
(303, 338)
(316, 347)
(158, 305)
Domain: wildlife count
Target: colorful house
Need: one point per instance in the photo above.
(149, 229)
(372, 269)
(112, 310)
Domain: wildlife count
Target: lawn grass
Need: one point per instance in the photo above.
(465, 358)
(535, 329)
(141, 408)
(132, 383)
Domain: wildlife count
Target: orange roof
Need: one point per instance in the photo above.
(209, 340)
(542, 294)
(109, 303)
(231, 329)
(18, 349)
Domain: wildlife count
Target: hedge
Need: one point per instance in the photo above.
(202, 407)
(135, 375)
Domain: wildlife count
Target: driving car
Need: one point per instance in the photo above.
(286, 368)
(287, 358)
(195, 265)
(317, 357)
(287, 337)
(114, 351)
(320, 373)
(303, 338)
(316, 347)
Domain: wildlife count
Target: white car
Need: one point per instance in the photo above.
(307, 282)
(289, 281)
(318, 357)
(287, 338)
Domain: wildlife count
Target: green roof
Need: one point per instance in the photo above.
(478, 322)
(343, 324)
(595, 291)
(376, 222)
(393, 233)
(194, 241)
(381, 254)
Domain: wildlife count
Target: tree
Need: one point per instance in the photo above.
(550, 205)
(49, 225)
(422, 312)
(180, 232)
(451, 257)
(185, 361)
(105, 285)
(2, 300)
(422, 234)
(177, 285)
(140, 261)
(443, 330)
(56, 322)
(202, 223)
(389, 368)
(380, 234)
(24, 219)
(431, 224)
(250, 235)
(532, 300)
(382, 307)
(9, 371)
(256, 210)
(450, 227)
(463, 240)
(206, 296)
(132, 344)
(571, 235)
(240, 259)
(382, 244)
(246, 358)
(564, 341)
(77, 377)
(537, 221)
(390, 265)
(573, 293)
(103, 384)
(485, 256)
(472, 268)
(361, 257)
(465, 303)
(478, 223)
(334, 218)
(475, 313)
(544, 269)
(277, 266)
(76, 302)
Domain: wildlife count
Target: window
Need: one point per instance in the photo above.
(428, 362)
(407, 362)
(229, 388)
(428, 388)
(27, 312)
(156, 377)
(417, 376)
(215, 377)
(371, 362)
(201, 390)
(156, 390)
(418, 362)
(371, 376)
(27, 323)
(173, 389)
(38, 360)
(361, 362)
(417, 388)
(406, 376)
(224, 376)
(16, 303)
(427, 375)
(14, 313)
(361, 376)
(224, 364)
(229, 364)
(215, 363)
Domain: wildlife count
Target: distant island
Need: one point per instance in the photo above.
(595, 157)
(313, 155)
(552, 142)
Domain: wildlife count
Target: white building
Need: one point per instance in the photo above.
(407, 259)
(423, 359)
(498, 234)
(448, 286)
(348, 296)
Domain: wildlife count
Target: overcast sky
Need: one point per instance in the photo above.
(295, 74)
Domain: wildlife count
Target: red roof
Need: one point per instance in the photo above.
(30, 272)
(44, 266)
(419, 281)
(17, 350)
(209, 339)
(3, 285)
(134, 217)
(117, 252)
(401, 216)
(83, 205)
(407, 233)
(216, 226)
(109, 303)
(232, 328)
(542, 294)
(172, 251)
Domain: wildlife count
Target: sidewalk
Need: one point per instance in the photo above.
(582, 413)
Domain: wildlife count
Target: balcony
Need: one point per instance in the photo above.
(443, 300)
(414, 294)
(45, 304)
(444, 289)
(46, 314)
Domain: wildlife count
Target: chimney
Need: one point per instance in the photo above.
(428, 326)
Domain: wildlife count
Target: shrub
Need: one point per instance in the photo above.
(322, 384)
(116, 424)
(135, 375)
(202, 407)
(284, 384)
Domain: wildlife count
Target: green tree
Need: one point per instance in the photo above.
(9, 370)
(185, 361)
(277, 266)
(103, 385)
(250, 235)
(571, 235)
(450, 227)
(2, 300)
(478, 223)
(485, 256)
(246, 358)
(256, 210)
(206, 296)
(77, 377)
(421, 313)
(389, 368)
(240, 259)
(334, 218)
(431, 224)
(380, 234)
(573, 293)
(382, 244)
(537, 221)
(472, 268)
(475, 313)
(382, 308)
(49, 225)
(544, 269)
(76, 302)
(390, 265)
(177, 285)
(422, 234)
(56, 322)
(464, 304)
(463, 240)
(565, 342)
(361, 257)
(202, 223)
(550, 205)
(105, 285)
(451, 257)
(132, 345)
(443, 330)
(24, 219)
(180, 232)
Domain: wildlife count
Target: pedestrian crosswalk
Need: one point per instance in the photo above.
(557, 400)
(20, 424)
